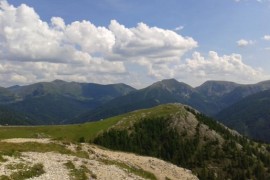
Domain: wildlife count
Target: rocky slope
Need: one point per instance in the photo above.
(97, 164)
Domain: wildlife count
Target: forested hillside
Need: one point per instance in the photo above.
(250, 116)
(192, 140)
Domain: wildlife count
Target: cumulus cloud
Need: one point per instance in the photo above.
(266, 37)
(89, 38)
(259, 1)
(179, 28)
(148, 43)
(199, 68)
(30, 72)
(58, 23)
(24, 37)
(226, 67)
(243, 42)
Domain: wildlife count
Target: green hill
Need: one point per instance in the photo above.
(189, 139)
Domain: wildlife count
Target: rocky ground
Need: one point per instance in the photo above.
(101, 164)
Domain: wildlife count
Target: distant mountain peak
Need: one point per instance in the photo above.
(170, 83)
(172, 80)
(58, 81)
(220, 83)
(216, 88)
(264, 82)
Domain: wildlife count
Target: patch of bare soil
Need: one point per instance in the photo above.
(55, 169)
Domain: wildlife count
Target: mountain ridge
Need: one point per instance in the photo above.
(57, 101)
(61, 102)
(209, 98)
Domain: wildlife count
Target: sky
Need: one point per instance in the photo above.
(134, 42)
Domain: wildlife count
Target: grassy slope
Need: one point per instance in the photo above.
(65, 132)
(75, 132)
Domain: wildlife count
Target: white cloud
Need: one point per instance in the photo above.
(226, 67)
(179, 28)
(58, 23)
(24, 37)
(199, 68)
(266, 37)
(100, 71)
(89, 38)
(259, 1)
(243, 42)
(148, 43)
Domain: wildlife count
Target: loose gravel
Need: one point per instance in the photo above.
(56, 170)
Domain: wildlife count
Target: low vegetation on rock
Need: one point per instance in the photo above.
(64, 161)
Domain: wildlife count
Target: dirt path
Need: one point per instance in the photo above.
(56, 170)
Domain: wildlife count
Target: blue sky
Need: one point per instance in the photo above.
(196, 41)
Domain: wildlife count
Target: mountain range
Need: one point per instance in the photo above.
(60, 102)
(209, 98)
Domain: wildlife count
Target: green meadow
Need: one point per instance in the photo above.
(86, 131)
(61, 132)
